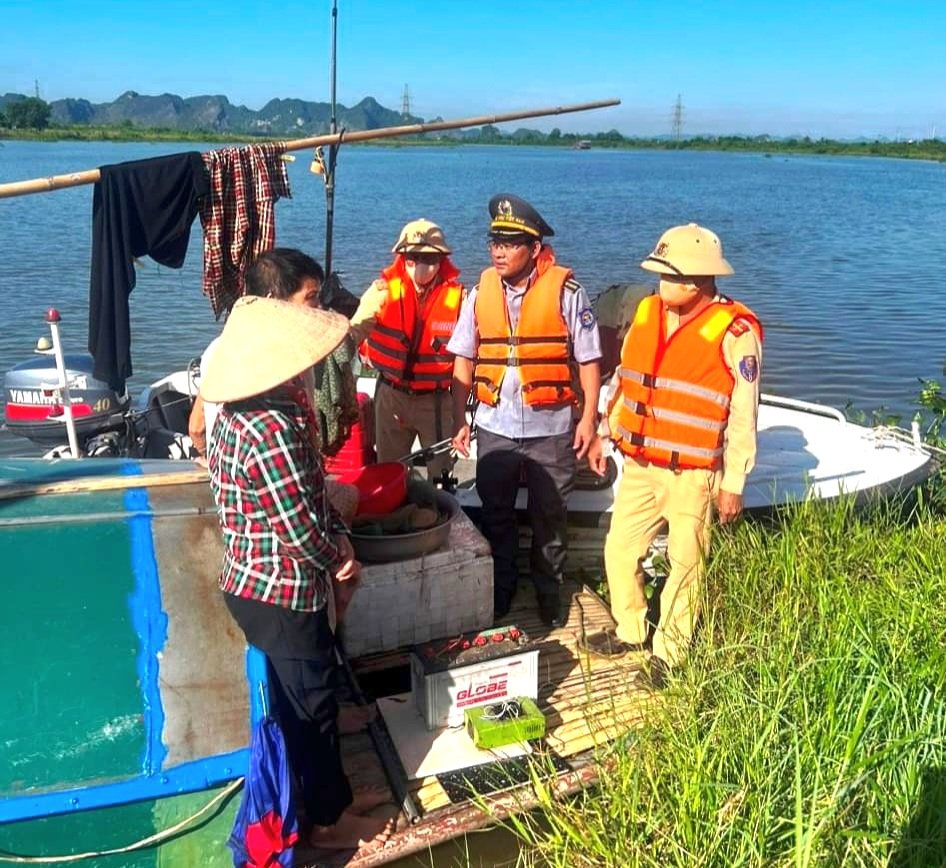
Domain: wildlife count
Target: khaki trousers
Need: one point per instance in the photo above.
(400, 417)
(647, 497)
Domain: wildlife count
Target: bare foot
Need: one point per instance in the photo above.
(368, 798)
(354, 718)
(352, 832)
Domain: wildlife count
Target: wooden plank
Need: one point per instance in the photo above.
(105, 483)
(451, 822)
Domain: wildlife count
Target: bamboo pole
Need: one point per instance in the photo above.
(91, 176)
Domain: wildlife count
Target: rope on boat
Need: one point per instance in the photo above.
(150, 841)
(902, 435)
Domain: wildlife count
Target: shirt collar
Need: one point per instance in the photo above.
(533, 276)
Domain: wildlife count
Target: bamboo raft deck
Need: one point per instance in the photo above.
(588, 701)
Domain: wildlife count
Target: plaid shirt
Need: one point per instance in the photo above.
(238, 216)
(277, 521)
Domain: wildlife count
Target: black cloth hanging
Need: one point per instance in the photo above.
(139, 208)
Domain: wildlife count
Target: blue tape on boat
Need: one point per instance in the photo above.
(186, 778)
(149, 621)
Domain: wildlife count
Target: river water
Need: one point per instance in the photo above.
(842, 258)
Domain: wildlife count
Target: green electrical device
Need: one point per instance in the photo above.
(511, 721)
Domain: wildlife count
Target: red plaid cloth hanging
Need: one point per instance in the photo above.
(238, 216)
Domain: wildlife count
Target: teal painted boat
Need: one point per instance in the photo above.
(124, 678)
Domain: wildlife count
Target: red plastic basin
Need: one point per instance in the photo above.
(382, 488)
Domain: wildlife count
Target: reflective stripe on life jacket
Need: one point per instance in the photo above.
(408, 344)
(540, 347)
(676, 391)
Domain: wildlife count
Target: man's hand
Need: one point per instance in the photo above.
(461, 440)
(584, 435)
(372, 302)
(728, 507)
(597, 456)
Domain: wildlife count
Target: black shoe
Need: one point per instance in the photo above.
(656, 674)
(501, 606)
(550, 611)
(605, 643)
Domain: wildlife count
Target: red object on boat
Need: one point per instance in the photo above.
(358, 448)
(382, 488)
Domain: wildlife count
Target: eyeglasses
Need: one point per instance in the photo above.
(425, 258)
(505, 246)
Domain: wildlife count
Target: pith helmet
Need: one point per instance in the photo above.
(421, 236)
(691, 251)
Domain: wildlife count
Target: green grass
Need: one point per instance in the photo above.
(810, 725)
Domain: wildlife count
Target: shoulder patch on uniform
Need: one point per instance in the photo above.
(740, 327)
(572, 285)
(586, 316)
(749, 368)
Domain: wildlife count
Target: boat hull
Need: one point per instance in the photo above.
(130, 681)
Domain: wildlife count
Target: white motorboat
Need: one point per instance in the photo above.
(805, 450)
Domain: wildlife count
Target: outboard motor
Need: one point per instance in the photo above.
(34, 408)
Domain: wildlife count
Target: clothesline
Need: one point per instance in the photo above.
(92, 176)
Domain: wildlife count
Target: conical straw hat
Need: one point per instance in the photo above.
(266, 342)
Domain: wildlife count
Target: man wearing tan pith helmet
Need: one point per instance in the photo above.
(683, 412)
(407, 317)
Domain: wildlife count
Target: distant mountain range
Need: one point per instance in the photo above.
(280, 117)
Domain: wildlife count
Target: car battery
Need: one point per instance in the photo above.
(450, 675)
(509, 721)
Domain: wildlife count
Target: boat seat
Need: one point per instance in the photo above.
(172, 410)
(167, 444)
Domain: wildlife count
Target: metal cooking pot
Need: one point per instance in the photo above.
(403, 546)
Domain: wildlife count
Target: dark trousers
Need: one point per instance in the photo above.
(300, 651)
(549, 465)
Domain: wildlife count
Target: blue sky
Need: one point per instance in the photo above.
(817, 68)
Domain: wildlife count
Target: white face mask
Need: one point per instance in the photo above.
(675, 294)
(422, 273)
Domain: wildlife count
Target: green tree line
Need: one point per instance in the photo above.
(31, 113)
(30, 118)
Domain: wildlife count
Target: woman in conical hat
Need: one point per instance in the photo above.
(284, 543)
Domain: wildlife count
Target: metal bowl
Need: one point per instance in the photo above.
(403, 546)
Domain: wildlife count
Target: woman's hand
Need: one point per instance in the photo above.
(350, 568)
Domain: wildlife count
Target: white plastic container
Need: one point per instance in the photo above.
(442, 696)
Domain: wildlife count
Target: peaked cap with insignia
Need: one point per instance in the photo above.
(511, 215)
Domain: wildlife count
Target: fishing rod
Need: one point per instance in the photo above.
(92, 176)
(332, 153)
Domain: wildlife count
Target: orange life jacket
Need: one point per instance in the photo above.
(408, 344)
(676, 392)
(540, 347)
